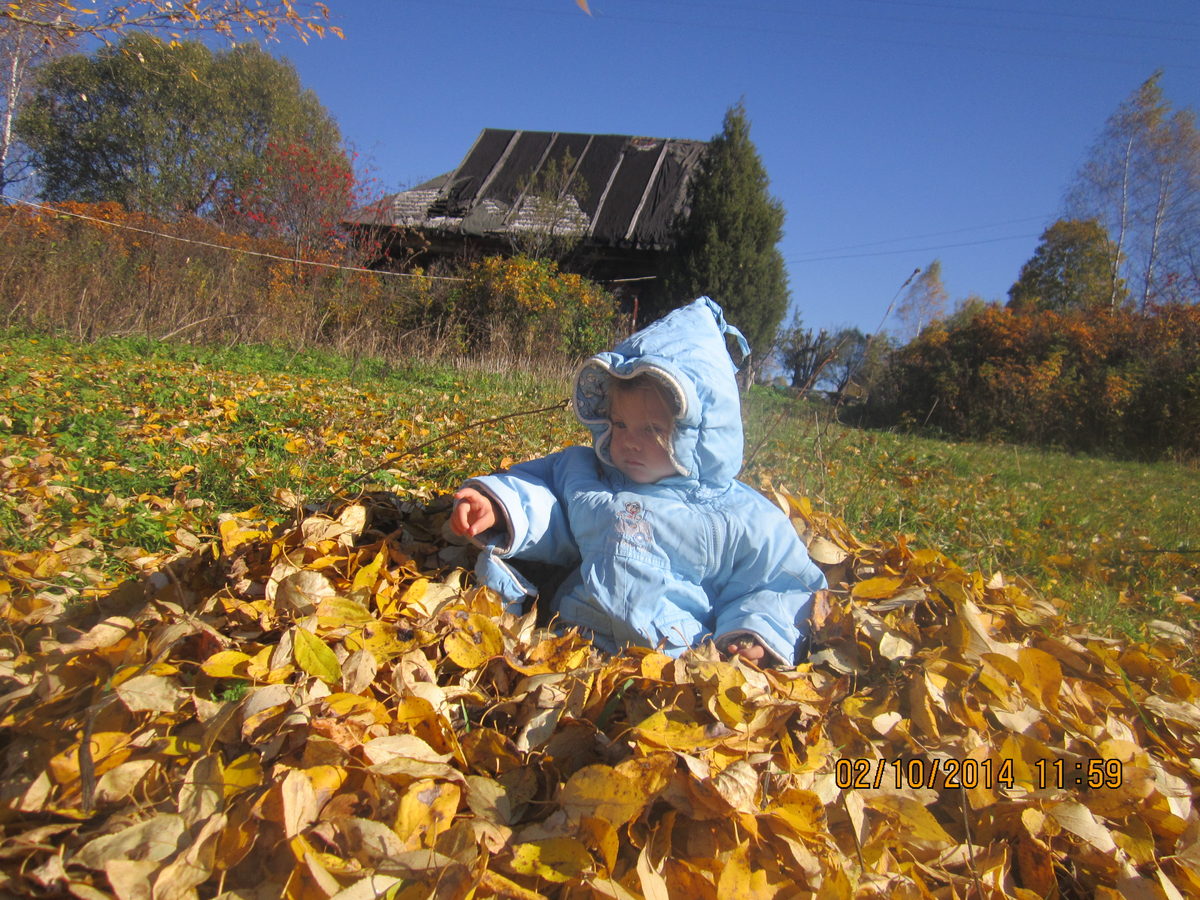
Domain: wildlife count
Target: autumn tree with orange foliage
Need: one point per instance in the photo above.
(1097, 380)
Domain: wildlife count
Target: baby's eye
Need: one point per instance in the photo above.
(618, 424)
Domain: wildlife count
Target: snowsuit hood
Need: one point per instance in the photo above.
(686, 352)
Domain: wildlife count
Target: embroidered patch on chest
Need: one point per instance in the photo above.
(633, 525)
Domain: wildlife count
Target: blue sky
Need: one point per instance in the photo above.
(893, 132)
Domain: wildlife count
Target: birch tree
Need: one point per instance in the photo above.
(21, 50)
(1141, 181)
(923, 302)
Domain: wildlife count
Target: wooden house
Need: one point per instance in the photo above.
(605, 205)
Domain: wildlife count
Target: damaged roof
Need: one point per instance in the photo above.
(620, 191)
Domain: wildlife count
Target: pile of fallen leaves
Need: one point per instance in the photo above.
(326, 707)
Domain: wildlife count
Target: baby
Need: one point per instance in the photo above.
(665, 547)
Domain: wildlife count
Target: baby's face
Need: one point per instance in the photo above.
(641, 432)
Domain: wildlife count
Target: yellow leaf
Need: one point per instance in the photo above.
(563, 653)
(227, 664)
(602, 792)
(501, 887)
(381, 640)
(651, 774)
(474, 641)
(916, 823)
(1082, 822)
(603, 839)
(259, 668)
(554, 859)
(1041, 676)
(654, 664)
(802, 811)
(344, 706)
(326, 780)
(366, 576)
(242, 774)
(334, 612)
(426, 810)
(233, 535)
(748, 879)
(314, 657)
(108, 748)
(423, 597)
(319, 865)
(179, 745)
(674, 730)
(879, 588)
(411, 597)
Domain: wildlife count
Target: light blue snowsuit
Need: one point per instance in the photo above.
(693, 556)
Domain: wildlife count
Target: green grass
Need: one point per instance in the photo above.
(1116, 541)
(116, 445)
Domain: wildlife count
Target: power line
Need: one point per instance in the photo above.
(891, 5)
(289, 259)
(928, 234)
(1011, 237)
(211, 245)
(807, 32)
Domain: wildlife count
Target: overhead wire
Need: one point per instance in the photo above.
(274, 256)
(934, 248)
(724, 27)
(200, 243)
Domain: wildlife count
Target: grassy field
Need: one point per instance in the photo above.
(111, 453)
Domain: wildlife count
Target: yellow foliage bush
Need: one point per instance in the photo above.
(525, 301)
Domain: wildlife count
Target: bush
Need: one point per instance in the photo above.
(530, 307)
(1099, 380)
(96, 270)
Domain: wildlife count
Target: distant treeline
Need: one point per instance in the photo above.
(1100, 379)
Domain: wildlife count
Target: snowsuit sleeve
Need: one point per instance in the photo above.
(769, 591)
(532, 524)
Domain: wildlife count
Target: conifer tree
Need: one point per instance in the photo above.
(728, 246)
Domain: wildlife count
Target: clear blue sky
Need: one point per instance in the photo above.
(893, 131)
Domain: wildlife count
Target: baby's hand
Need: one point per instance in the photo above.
(747, 648)
(473, 513)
